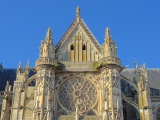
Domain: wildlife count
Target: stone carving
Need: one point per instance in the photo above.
(77, 87)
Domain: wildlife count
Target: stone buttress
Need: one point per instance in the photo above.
(19, 93)
(7, 101)
(144, 98)
(45, 80)
(110, 67)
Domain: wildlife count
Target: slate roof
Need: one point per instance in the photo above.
(153, 76)
(9, 75)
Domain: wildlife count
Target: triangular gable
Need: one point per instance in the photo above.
(71, 29)
(78, 43)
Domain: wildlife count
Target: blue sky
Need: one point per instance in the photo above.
(134, 24)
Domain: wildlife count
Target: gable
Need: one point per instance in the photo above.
(78, 44)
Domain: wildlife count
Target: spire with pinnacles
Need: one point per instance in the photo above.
(109, 47)
(46, 63)
(47, 48)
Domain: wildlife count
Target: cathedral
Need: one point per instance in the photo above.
(79, 79)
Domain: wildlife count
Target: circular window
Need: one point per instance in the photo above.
(77, 89)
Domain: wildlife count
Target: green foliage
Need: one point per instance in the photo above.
(98, 65)
(58, 66)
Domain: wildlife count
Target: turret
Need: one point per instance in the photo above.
(110, 67)
(45, 80)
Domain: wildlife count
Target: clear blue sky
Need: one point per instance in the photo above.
(134, 24)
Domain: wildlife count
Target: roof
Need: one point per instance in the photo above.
(153, 76)
(78, 21)
(9, 75)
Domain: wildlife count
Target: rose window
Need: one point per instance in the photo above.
(77, 89)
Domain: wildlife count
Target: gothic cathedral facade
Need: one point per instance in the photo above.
(78, 79)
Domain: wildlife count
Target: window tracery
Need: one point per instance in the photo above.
(77, 88)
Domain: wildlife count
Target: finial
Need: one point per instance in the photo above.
(7, 85)
(78, 11)
(144, 66)
(135, 64)
(19, 64)
(107, 35)
(49, 35)
(27, 65)
(1, 66)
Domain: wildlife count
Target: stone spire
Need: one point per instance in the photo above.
(49, 38)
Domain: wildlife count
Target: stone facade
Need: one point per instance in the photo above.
(78, 79)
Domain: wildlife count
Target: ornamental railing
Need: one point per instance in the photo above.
(111, 60)
(46, 60)
(77, 63)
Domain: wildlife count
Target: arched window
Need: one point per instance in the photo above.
(72, 47)
(83, 47)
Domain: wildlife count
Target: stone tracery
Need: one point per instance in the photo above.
(80, 88)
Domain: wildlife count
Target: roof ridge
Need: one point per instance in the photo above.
(64, 35)
(86, 29)
(92, 36)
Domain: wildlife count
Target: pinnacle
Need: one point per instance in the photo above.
(107, 34)
(49, 35)
(78, 11)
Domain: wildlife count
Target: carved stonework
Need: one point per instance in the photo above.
(74, 88)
